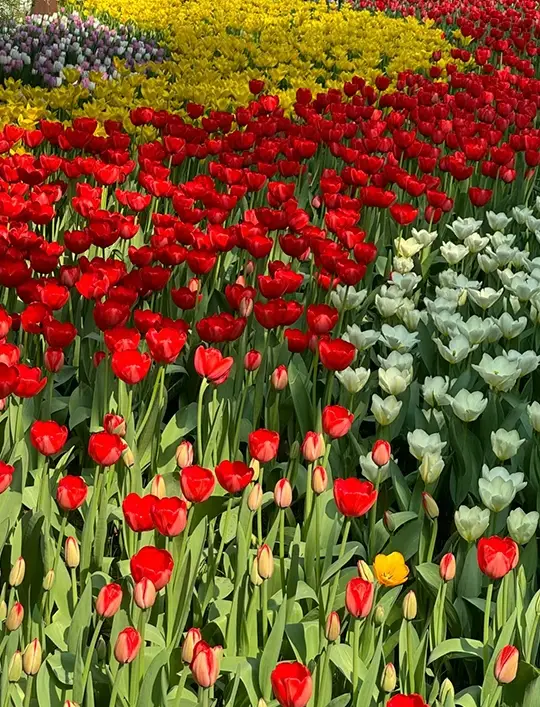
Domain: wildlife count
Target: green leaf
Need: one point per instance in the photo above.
(532, 694)
(338, 564)
(81, 618)
(298, 386)
(271, 652)
(505, 638)
(369, 683)
(150, 693)
(245, 668)
(457, 648)
(62, 665)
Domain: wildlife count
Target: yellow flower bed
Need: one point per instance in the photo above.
(218, 46)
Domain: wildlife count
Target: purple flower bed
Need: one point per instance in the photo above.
(38, 49)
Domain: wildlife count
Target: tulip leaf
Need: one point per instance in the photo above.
(504, 638)
(81, 618)
(336, 566)
(302, 406)
(341, 657)
(271, 652)
(368, 691)
(304, 640)
(532, 694)
(150, 693)
(469, 697)
(406, 539)
(244, 669)
(457, 648)
(342, 701)
(49, 693)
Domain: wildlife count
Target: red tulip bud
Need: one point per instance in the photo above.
(184, 454)
(53, 360)
(205, 664)
(127, 645)
(144, 594)
(506, 665)
(252, 360)
(313, 446)
(283, 493)
(280, 378)
(319, 480)
(108, 600)
(158, 486)
(193, 636)
(381, 452)
(447, 567)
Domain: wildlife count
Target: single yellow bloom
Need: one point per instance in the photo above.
(391, 570)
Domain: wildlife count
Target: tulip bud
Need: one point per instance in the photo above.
(16, 575)
(15, 617)
(48, 581)
(410, 606)
(379, 615)
(97, 358)
(194, 284)
(252, 360)
(389, 522)
(31, 659)
(447, 693)
(3, 610)
(319, 480)
(431, 508)
(53, 360)
(72, 553)
(506, 665)
(184, 454)
(128, 457)
(193, 636)
(254, 576)
(389, 678)
(261, 703)
(381, 452)
(447, 567)
(283, 493)
(144, 594)
(255, 466)
(15, 667)
(245, 307)
(109, 600)
(265, 562)
(158, 486)
(127, 645)
(333, 627)
(254, 499)
(249, 268)
(280, 378)
(205, 664)
(70, 703)
(101, 649)
(364, 571)
(313, 446)
(114, 424)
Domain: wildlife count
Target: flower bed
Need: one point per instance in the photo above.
(269, 375)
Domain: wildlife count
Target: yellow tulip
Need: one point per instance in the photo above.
(390, 570)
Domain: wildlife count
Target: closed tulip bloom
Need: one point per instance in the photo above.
(283, 493)
(144, 594)
(471, 523)
(336, 421)
(390, 570)
(255, 498)
(15, 616)
(32, 657)
(16, 575)
(158, 488)
(6, 476)
(430, 506)
(114, 424)
(154, 564)
(252, 360)
(354, 497)
(233, 476)
(48, 437)
(15, 667)
(205, 664)
(127, 645)
(506, 665)
(389, 678)
(169, 516)
(197, 483)
(381, 452)
(265, 562)
(72, 552)
(184, 454)
(105, 448)
(406, 701)
(333, 627)
(313, 446)
(193, 636)
(263, 445)
(447, 567)
(130, 366)
(109, 600)
(319, 480)
(359, 597)
(138, 511)
(53, 360)
(280, 378)
(497, 556)
(410, 606)
(336, 354)
(71, 492)
(364, 571)
(292, 684)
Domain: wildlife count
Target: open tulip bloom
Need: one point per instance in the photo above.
(269, 354)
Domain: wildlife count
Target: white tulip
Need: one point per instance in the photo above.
(385, 411)
(505, 444)
(468, 406)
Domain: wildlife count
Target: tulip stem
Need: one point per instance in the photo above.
(373, 520)
(487, 614)
(355, 651)
(137, 669)
(203, 387)
(114, 693)
(282, 550)
(55, 564)
(74, 586)
(410, 657)
(87, 664)
(333, 590)
(7, 699)
(180, 688)
(431, 548)
(28, 691)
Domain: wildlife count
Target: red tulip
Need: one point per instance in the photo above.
(212, 365)
(29, 382)
(138, 511)
(165, 345)
(105, 449)
(447, 567)
(381, 452)
(114, 424)
(233, 476)
(127, 645)
(121, 339)
(252, 360)
(506, 665)
(313, 446)
(354, 497)
(130, 366)
(403, 214)
(9, 376)
(292, 684)
(169, 516)
(48, 437)
(359, 597)
(478, 196)
(153, 564)
(205, 664)
(280, 377)
(71, 492)
(336, 354)
(406, 701)
(53, 360)
(336, 421)
(263, 445)
(6, 476)
(497, 556)
(108, 600)
(321, 318)
(197, 483)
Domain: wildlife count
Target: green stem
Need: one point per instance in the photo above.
(88, 661)
(333, 590)
(28, 691)
(410, 657)
(433, 538)
(114, 693)
(372, 521)
(74, 587)
(180, 688)
(264, 610)
(7, 699)
(204, 385)
(137, 670)
(321, 674)
(55, 565)
(355, 652)
(282, 551)
(487, 613)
